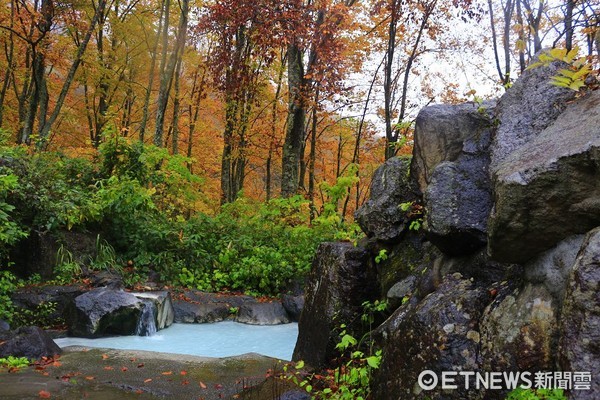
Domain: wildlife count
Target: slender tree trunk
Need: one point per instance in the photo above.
(10, 63)
(176, 105)
(312, 158)
(145, 108)
(569, 24)
(388, 80)
(521, 43)
(45, 131)
(294, 135)
(166, 77)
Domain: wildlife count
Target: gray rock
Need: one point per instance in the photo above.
(400, 290)
(580, 318)
(293, 305)
(295, 395)
(188, 312)
(102, 311)
(444, 132)
(441, 333)
(380, 217)
(32, 297)
(341, 279)
(458, 202)
(272, 313)
(4, 326)
(165, 314)
(31, 342)
(548, 188)
(553, 267)
(519, 331)
(526, 109)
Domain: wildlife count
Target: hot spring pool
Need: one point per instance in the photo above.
(220, 339)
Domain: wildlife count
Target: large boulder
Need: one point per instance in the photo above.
(104, 311)
(34, 297)
(381, 217)
(450, 163)
(31, 342)
(580, 318)
(526, 109)
(519, 330)
(440, 333)
(270, 313)
(187, 312)
(549, 187)
(444, 132)
(293, 305)
(341, 279)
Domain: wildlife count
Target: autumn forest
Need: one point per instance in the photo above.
(264, 97)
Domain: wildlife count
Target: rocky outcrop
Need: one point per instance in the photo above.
(32, 297)
(271, 313)
(381, 217)
(580, 317)
(31, 342)
(530, 106)
(104, 311)
(444, 133)
(441, 333)
(548, 188)
(519, 331)
(502, 278)
(187, 312)
(341, 279)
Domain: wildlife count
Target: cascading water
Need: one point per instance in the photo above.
(147, 323)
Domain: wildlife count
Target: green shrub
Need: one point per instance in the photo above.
(7, 285)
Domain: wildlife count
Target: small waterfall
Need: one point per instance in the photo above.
(147, 323)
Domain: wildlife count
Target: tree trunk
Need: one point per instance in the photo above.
(176, 105)
(312, 158)
(569, 24)
(145, 108)
(294, 135)
(166, 77)
(45, 131)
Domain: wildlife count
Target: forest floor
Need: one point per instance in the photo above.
(81, 373)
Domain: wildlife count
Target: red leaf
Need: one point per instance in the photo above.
(183, 372)
(44, 394)
(124, 369)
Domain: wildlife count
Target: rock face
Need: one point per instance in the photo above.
(293, 305)
(31, 342)
(340, 281)
(580, 318)
(380, 216)
(441, 333)
(518, 331)
(552, 177)
(444, 133)
(104, 311)
(31, 298)
(262, 314)
(531, 105)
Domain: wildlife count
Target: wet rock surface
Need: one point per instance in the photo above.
(580, 319)
(269, 313)
(104, 311)
(342, 278)
(31, 342)
(101, 374)
(380, 216)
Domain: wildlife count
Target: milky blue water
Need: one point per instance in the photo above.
(220, 339)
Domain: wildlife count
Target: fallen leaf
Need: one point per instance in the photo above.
(183, 372)
(218, 386)
(124, 369)
(185, 382)
(90, 378)
(168, 373)
(108, 368)
(44, 394)
(202, 385)
(104, 356)
(141, 365)
(148, 380)
(139, 391)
